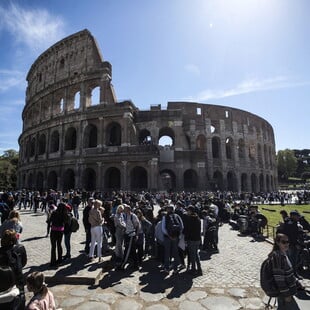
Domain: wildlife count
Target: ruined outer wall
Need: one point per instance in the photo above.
(70, 140)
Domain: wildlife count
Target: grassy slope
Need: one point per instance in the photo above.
(274, 217)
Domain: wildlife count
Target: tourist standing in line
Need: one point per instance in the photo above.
(96, 220)
(87, 226)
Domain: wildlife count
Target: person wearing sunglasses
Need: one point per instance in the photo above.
(283, 273)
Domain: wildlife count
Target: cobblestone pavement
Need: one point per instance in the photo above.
(230, 279)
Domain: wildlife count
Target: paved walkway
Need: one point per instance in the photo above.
(230, 279)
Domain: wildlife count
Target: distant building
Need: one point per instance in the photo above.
(70, 140)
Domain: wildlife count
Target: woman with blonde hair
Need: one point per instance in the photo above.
(120, 228)
(43, 298)
(12, 223)
(96, 220)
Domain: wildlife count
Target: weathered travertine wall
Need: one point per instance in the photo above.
(76, 134)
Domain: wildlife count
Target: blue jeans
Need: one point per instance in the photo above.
(68, 243)
(193, 255)
(76, 211)
(171, 251)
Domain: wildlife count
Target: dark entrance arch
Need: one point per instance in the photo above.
(190, 179)
(89, 179)
(168, 180)
(112, 178)
(40, 179)
(138, 178)
(69, 180)
(52, 180)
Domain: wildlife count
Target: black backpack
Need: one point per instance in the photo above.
(74, 226)
(173, 226)
(267, 281)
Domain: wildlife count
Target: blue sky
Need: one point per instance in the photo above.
(248, 54)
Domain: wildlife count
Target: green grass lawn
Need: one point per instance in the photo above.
(274, 216)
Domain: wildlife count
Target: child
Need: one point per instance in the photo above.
(43, 298)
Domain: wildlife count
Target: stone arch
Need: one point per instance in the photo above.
(190, 179)
(166, 131)
(261, 182)
(260, 155)
(218, 180)
(114, 134)
(40, 181)
(201, 142)
(216, 147)
(30, 180)
(145, 137)
(244, 182)
(70, 139)
(168, 180)
(266, 156)
(89, 179)
(231, 181)
(241, 149)
(138, 178)
(90, 136)
(77, 100)
(112, 178)
(229, 148)
(254, 183)
(42, 144)
(54, 144)
(268, 183)
(69, 180)
(95, 95)
(32, 147)
(52, 180)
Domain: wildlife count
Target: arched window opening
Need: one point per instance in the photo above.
(30, 181)
(95, 96)
(201, 142)
(61, 105)
(261, 183)
(190, 180)
(231, 182)
(62, 63)
(244, 182)
(32, 147)
(218, 181)
(42, 144)
(241, 149)
(216, 147)
(70, 139)
(89, 179)
(54, 142)
(52, 180)
(114, 134)
(229, 148)
(145, 137)
(40, 180)
(69, 180)
(138, 179)
(77, 98)
(166, 137)
(254, 183)
(112, 179)
(168, 180)
(90, 136)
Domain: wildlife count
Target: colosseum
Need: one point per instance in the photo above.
(76, 135)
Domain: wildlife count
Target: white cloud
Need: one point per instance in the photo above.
(193, 69)
(250, 86)
(11, 79)
(35, 28)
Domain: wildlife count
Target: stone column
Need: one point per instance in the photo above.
(124, 177)
(153, 174)
(99, 184)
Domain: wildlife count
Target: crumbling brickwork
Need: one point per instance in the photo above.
(70, 140)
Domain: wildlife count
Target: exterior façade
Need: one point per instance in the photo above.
(69, 141)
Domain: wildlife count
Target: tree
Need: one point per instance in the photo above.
(287, 164)
(8, 168)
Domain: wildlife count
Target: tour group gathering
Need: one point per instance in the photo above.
(173, 228)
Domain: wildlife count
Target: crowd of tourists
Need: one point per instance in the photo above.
(173, 228)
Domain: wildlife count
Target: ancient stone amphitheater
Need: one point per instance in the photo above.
(77, 136)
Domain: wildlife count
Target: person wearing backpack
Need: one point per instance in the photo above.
(172, 226)
(277, 275)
